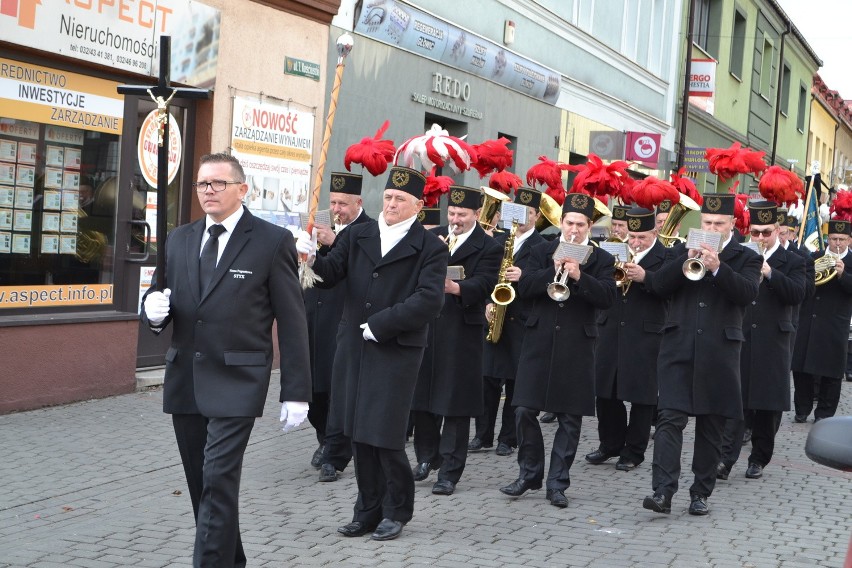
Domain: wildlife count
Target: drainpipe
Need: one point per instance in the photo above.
(684, 104)
(778, 91)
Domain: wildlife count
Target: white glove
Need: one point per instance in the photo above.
(307, 243)
(293, 414)
(157, 306)
(368, 335)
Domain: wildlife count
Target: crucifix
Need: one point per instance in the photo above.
(162, 93)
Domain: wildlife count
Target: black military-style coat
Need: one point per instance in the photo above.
(767, 327)
(450, 378)
(821, 340)
(500, 360)
(397, 295)
(698, 369)
(220, 358)
(555, 373)
(323, 307)
(629, 339)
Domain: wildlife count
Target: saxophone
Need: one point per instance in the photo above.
(503, 293)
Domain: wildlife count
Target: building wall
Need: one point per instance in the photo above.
(821, 138)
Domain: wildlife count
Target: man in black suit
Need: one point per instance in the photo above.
(626, 355)
(500, 360)
(559, 351)
(230, 275)
(394, 271)
(821, 340)
(618, 223)
(449, 385)
(698, 369)
(766, 354)
(324, 307)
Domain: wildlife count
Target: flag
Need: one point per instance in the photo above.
(811, 222)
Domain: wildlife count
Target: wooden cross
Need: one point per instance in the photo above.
(162, 94)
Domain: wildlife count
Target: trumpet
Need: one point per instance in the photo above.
(621, 279)
(336, 222)
(694, 269)
(558, 290)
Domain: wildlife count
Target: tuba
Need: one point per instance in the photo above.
(504, 293)
(678, 212)
(824, 270)
(551, 213)
(492, 200)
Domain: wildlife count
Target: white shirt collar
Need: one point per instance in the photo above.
(767, 253)
(339, 227)
(230, 222)
(461, 238)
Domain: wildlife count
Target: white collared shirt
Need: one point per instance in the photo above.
(768, 252)
(392, 234)
(520, 240)
(640, 255)
(460, 239)
(338, 227)
(229, 223)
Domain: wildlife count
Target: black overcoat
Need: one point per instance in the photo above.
(500, 360)
(220, 358)
(450, 378)
(556, 370)
(767, 327)
(397, 295)
(698, 369)
(323, 307)
(629, 336)
(821, 340)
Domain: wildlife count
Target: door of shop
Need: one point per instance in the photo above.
(137, 213)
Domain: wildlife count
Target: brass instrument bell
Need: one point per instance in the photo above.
(676, 214)
(492, 201)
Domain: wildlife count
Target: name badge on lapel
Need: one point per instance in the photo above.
(237, 273)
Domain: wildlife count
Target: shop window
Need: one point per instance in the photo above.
(58, 188)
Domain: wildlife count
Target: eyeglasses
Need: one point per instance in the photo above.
(216, 185)
(764, 232)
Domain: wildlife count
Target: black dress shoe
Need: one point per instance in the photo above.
(625, 465)
(327, 472)
(504, 449)
(547, 418)
(754, 471)
(421, 471)
(722, 471)
(443, 487)
(698, 506)
(476, 445)
(519, 487)
(598, 457)
(658, 503)
(356, 528)
(387, 530)
(800, 418)
(316, 459)
(557, 498)
(747, 436)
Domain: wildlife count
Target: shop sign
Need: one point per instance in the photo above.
(301, 68)
(274, 144)
(702, 78)
(607, 144)
(148, 146)
(408, 28)
(123, 34)
(694, 160)
(643, 147)
(55, 295)
(53, 97)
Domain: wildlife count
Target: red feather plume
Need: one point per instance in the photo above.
(557, 193)
(728, 162)
(625, 195)
(686, 186)
(781, 186)
(548, 173)
(652, 191)
(492, 156)
(597, 178)
(435, 187)
(373, 153)
(504, 181)
(742, 216)
(841, 207)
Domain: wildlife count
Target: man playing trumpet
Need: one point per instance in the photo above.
(699, 363)
(558, 351)
(626, 356)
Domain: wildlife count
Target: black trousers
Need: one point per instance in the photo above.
(803, 395)
(617, 435)
(668, 443)
(531, 447)
(442, 441)
(318, 414)
(211, 450)
(337, 449)
(764, 426)
(485, 424)
(385, 485)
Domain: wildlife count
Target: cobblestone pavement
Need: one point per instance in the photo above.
(99, 484)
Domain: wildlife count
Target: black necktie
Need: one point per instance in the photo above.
(207, 260)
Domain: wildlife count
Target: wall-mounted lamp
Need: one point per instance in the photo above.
(509, 32)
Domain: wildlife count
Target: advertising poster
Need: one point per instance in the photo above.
(274, 145)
